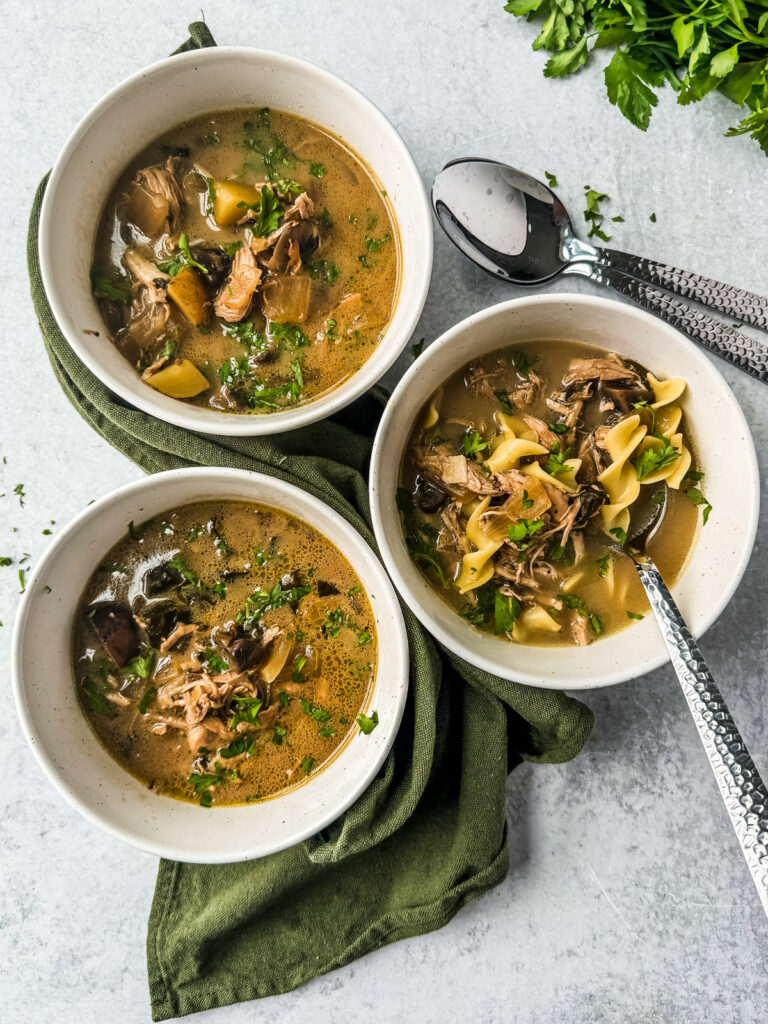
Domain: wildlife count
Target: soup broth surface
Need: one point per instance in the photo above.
(224, 652)
(247, 261)
(515, 491)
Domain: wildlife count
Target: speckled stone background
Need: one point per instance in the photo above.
(627, 899)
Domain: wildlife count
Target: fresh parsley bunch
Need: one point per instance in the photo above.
(696, 47)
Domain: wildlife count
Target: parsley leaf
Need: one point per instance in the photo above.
(367, 725)
(112, 286)
(506, 610)
(472, 443)
(270, 212)
(654, 459)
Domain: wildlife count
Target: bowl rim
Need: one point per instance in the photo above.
(217, 423)
(374, 576)
(380, 511)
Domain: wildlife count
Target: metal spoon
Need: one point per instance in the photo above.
(516, 228)
(743, 791)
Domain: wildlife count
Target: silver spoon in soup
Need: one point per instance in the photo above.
(741, 787)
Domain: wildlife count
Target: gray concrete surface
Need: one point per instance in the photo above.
(628, 899)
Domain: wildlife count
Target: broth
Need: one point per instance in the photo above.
(247, 261)
(224, 652)
(523, 472)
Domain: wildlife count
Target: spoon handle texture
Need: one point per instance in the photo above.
(721, 338)
(736, 303)
(742, 789)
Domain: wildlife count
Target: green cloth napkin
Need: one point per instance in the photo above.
(428, 835)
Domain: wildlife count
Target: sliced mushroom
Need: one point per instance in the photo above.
(114, 625)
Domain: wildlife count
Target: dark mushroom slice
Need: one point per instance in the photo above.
(430, 497)
(247, 652)
(160, 618)
(217, 265)
(116, 628)
(326, 589)
(160, 579)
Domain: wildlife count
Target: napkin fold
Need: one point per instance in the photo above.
(428, 835)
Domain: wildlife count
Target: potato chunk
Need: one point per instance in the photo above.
(178, 379)
(228, 194)
(186, 290)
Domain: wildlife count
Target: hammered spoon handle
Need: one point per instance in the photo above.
(743, 791)
(720, 338)
(736, 303)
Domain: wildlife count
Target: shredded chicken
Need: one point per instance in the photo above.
(234, 299)
(182, 630)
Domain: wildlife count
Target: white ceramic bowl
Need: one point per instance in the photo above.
(76, 762)
(148, 104)
(725, 452)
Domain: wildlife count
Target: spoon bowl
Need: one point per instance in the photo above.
(510, 224)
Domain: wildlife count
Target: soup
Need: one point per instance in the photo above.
(246, 261)
(224, 652)
(520, 482)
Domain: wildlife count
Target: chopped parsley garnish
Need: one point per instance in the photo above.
(654, 459)
(270, 212)
(18, 490)
(555, 464)
(420, 550)
(367, 724)
(478, 610)
(573, 602)
(290, 333)
(522, 533)
(325, 218)
(698, 498)
(95, 685)
(404, 501)
(503, 399)
(603, 564)
(297, 674)
(505, 611)
(5, 560)
(178, 562)
(246, 710)
(472, 443)
(308, 764)
(635, 615)
(331, 329)
(242, 745)
(374, 244)
(317, 170)
(619, 534)
(110, 285)
(147, 697)
(526, 502)
(522, 363)
(593, 215)
(657, 498)
(325, 269)
(261, 601)
(137, 532)
(202, 781)
(559, 428)
(142, 665)
(246, 333)
(278, 735)
(213, 661)
(231, 248)
(551, 179)
(182, 259)
(576, 604)
(284, 698)
(210, 193)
